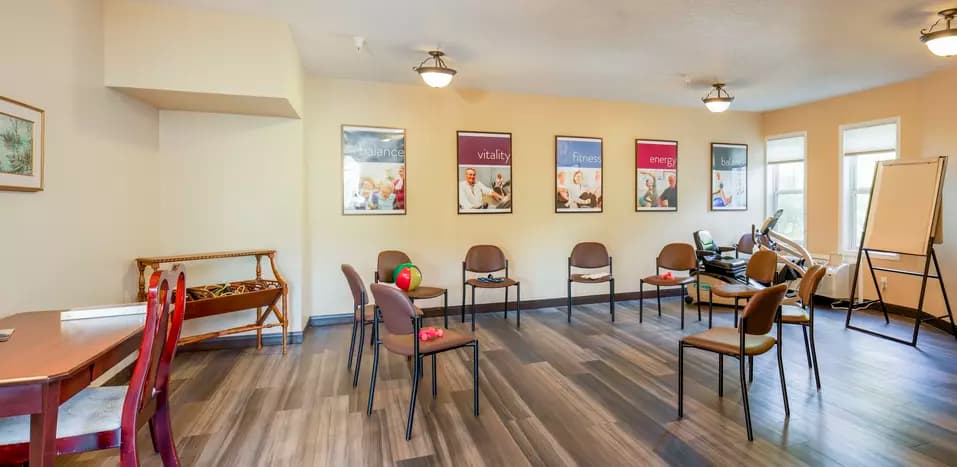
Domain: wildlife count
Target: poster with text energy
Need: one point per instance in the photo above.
(578, 174)
(729, 177)
(484, 172)
(656, 175)
(373, 170)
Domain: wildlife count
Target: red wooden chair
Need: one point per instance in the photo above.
(110, 416)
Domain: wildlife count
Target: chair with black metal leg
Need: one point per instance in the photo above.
(402, 324)
(750, 339)
(489, 259)
(803, 314)
(385, 269)
(363, 314)
(673, 257)
(762, 266)
(591, 255)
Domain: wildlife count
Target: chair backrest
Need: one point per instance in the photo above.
(484, 258)
(356, 286)
(810, 281)
(759, 314)
(388, 261)
(161, 331)
(762, 266)
(705, 242)
(678, 257)
(589, 255)
(745, 244)
(397, 312)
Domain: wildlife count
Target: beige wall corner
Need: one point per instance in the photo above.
(189, 59)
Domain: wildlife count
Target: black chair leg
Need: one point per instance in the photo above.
(681, 379)
(641, 301)
(415, 389)
(750, 368)
(682, 307)
(784, 386)
(710, 306)
(362, 339)
(611, 285)
(658, 296)
(473, 308)
(569, 301)
(518, 305)
(697, 295)
(744, 398)
(817, 374)
(445, 308)
(375, 370)
(506, 302)
(475, 379)
(807, 346)
(464, 285)
(435, 387)
(735, 311)
(720, 375)
(352, 344)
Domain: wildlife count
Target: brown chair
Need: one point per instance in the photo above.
(487, 259)
(363, 314)
(762, 266)
(385, 267)
(673, 257)
(745, 245)
(750, 339)
(402, 324)
(590, 255)
(109, 417)
(803, 314)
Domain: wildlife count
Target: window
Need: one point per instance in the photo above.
(785, 156)
(862, 147)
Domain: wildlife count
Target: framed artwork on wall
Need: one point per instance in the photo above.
(484, 172)
(656, 175)
(729, 177)
(373, 170)
(578, 164)
(21, 146)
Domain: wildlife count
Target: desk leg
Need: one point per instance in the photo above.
(43, 427)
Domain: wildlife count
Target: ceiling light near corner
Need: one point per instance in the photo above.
(437, 74)
(942, 42)
(718, 99)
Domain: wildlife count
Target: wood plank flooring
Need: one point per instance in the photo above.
(586, 393)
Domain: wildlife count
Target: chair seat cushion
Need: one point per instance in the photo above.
(369, 313)
(677, 280)
(92, 410)
(794, 315)
(735, 290)
(588, 280)
(404, 344)
(424, 292)
(491, 285)
(728, 341)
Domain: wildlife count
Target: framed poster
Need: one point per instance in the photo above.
(21, 146)
(484, 172)
(729, 177)
(373, 170)
(578, 164)
(656, 175)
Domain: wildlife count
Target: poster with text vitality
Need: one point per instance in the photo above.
(484, 172)
(729, 177)
(373, 170)
(578, 174)
(656, 175)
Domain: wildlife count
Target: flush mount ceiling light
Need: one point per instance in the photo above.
(718, 99)
(942, 42)
(437, 74)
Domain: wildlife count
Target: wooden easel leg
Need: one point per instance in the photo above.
(877, 287)
(943, 291)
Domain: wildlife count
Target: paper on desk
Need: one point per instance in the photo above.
(103, 311)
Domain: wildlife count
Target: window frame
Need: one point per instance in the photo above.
(767, 169)
(845, 193)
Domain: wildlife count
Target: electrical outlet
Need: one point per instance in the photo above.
(883, 283)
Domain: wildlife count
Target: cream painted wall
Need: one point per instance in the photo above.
(927, 124)
(232, 182)
(536, 240)
(73, 244)
(169, 48)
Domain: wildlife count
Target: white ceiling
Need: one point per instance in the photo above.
(772, 53)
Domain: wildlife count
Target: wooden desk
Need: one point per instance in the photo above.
(47, 361)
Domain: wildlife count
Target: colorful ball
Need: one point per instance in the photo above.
(409, 278)
(399, 268)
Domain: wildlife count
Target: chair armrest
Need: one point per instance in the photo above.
(723, 249)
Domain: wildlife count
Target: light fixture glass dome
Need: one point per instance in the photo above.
(718, 99)
(942, 42)
(438, 74)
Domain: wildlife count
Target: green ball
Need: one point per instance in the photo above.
(399, 268)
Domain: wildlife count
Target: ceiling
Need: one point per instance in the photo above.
(772, 53)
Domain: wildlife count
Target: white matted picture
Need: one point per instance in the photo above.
(729, 177)
(578, 164)
(373, 170)
(21, 146)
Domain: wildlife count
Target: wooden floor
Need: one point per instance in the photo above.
(588, 393)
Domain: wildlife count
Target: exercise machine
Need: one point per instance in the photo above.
(715, 267)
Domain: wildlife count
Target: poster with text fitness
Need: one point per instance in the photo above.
(578, 174)
(656, 175)
(729, 177)
(484, 172)
(373, 170)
